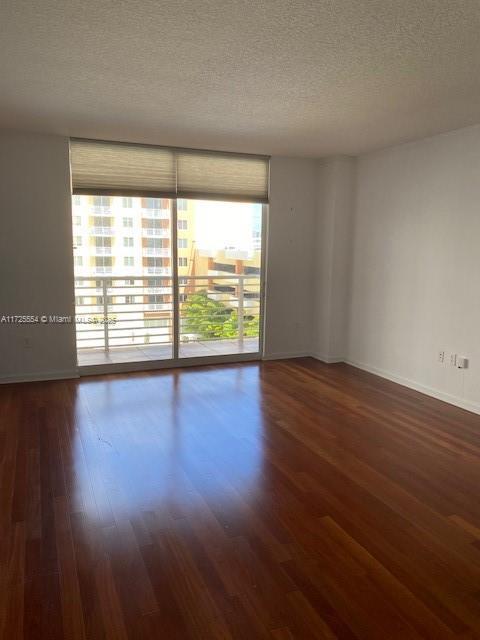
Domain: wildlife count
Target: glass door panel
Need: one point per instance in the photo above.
(123, 279)
(219, 246)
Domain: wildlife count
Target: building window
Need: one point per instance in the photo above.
(182, 204)
(182, 243)
(77, 220)
(102, 241)
(183, 262)
(78, 261)
(182, 297)
(127, 203)
(182, 281)
(77, 200)
(128, 261)
(151, 203)
(102, 221)
(77, 241)
(128, 222)
(183, 225)
(129, 283)
(129, 299)
(128, 242)
(79, 300)
(102, 261)
(101, 201)
(156, 299)
(157, 243)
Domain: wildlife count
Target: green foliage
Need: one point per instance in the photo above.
(210, 319)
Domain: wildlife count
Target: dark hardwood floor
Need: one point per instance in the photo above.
(281, 500)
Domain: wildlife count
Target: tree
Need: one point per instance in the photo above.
(210, 319)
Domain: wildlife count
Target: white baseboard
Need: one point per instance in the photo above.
(285, 355)
(37, 377)
(474, 407)
(327, 359)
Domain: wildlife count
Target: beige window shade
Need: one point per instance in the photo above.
(222, 176)
(122, 169)
(127, 169)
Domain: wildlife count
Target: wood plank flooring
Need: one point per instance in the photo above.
(274, 500)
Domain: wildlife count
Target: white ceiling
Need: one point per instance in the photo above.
(294, 77)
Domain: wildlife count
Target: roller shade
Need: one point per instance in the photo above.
(112, 168)
(222, 176)
(120, 169)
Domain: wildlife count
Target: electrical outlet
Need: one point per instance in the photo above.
(462, 363)
(453, 359)
(441, 356)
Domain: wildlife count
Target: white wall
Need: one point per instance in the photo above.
(332, 257)
(35, 255)
(416, 264)
(289, 299)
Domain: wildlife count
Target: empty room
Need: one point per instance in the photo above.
(239, 320)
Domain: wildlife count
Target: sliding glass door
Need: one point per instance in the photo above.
(219, 277)
(166, 278)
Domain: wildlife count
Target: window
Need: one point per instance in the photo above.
(103, 261)
(156, 299)
(101, 201)
(153, 224)
(129, 283)
(182, 243)
(102, 221)
(183, 262)
(182, 281)
(77, 220)
(77, 241)
(128, 261)
(77, 200)
(128, 222)
(183, 224)
(182, 297)
(151, 203)
(79, 300)
(182, 204)
(127, 203)
(129, 299)
(78, 261)
(102, 241)
(157, 243)
(128, 242)
(157, 262)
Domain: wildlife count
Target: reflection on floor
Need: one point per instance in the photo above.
(87, 357)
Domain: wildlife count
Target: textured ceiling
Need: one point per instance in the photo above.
(293, 78)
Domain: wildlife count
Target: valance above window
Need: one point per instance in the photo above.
(114, 168)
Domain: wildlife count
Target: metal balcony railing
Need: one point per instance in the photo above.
(156, 251)
(130, 311)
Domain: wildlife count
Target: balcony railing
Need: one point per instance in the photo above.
(227, 308)
(156, 231)
(102, 231)
(156, 213)
(156, 251)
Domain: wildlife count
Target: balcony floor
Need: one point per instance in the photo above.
(140, 353)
